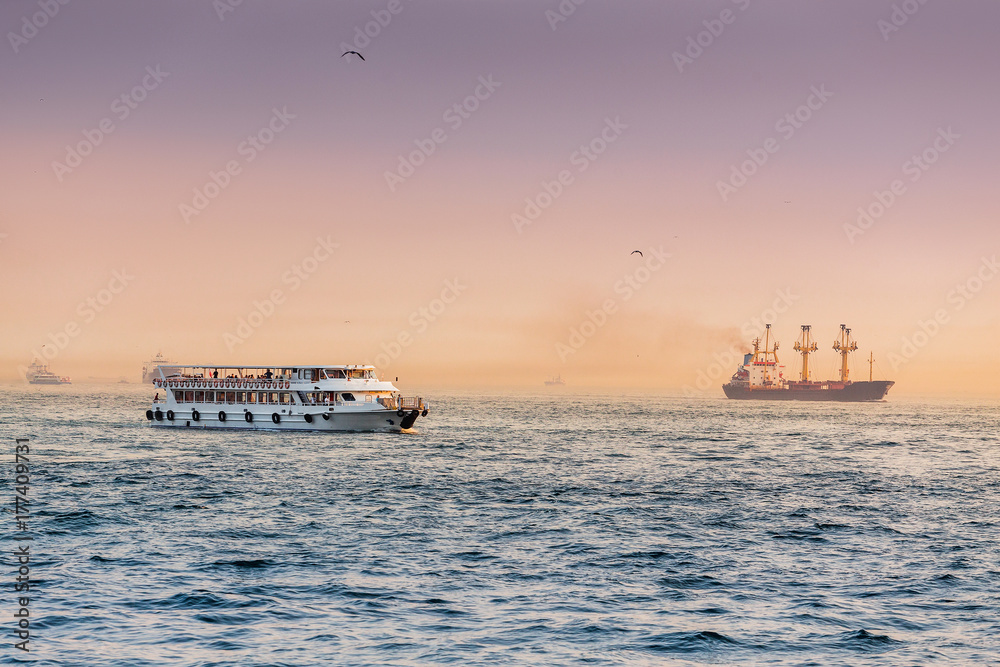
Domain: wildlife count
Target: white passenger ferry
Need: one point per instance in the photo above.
(283, 398)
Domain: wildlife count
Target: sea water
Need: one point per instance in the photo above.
(511, 529)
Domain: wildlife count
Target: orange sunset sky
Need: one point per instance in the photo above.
(216, 182)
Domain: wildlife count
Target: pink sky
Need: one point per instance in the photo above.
(302, 140)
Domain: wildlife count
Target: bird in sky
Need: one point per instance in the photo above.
(636, 251)
(354, 52)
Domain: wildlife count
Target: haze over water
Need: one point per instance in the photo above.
(218, 182)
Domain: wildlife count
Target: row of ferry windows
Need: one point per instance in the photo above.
(336, 374)
(256, 397)
(311, 374)
(262, 397)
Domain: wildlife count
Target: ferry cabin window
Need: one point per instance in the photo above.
(199, 397)
(286, 398)
(306, 374)
(368, 398)
(230, 397)
(333, 374)
(189, 396)
(358, 375)
(178, 395)
(252, 397)
(347, 396)
(241, 397)
(272, 397)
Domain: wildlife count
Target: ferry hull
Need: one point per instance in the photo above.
(855, 392)
(367, 421)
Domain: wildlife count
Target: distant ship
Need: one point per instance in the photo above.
(556, 380)
(760, 377)
(39, 373)
(149, 368)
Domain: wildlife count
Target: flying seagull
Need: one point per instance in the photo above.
(636, 251)
(354, 52)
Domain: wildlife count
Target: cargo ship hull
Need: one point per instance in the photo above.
(851, 392)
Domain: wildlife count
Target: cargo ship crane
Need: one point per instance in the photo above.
(845, 346)
(805, 346)
(768, 358)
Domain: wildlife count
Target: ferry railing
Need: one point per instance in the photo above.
(402, 402)
(411, 402)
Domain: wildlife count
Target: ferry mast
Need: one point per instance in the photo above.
(805, 346)
(845, 346)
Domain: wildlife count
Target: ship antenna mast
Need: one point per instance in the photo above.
(770, 351)
(845, 346)
(805, 345)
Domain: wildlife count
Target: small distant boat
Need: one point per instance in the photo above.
(557, 380)
(39, 373)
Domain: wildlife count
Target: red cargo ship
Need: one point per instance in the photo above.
(760, 377)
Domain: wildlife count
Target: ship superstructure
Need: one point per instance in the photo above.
(761, 377)
(149, 368)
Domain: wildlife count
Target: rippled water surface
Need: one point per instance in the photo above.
(548, 529)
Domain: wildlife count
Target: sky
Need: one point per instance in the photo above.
(214, 180)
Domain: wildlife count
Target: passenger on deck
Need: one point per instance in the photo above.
(216, 373)
(268, 374)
